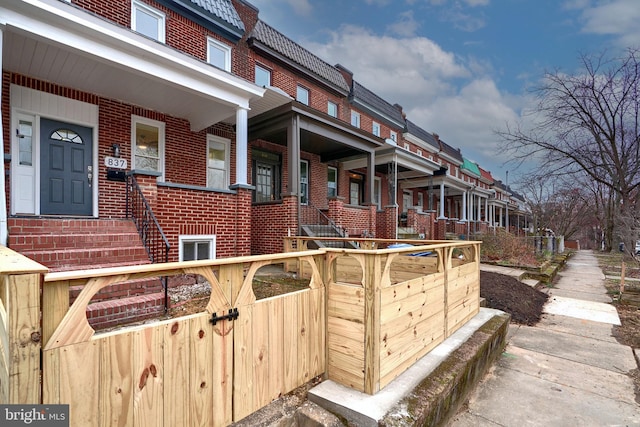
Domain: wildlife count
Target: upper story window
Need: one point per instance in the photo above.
(147, 141)
(355, 119)
(375, 128)
(148, 21)
(217, 162)
(262, 76)
(393, 136)
(302, 95)
(407, 147)
(218, 54)
(419, 152)
(332, 109)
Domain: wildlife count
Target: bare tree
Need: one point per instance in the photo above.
(588, 123)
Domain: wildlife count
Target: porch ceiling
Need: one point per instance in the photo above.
(56, 42)
(320, 134)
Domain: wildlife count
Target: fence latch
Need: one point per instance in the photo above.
(232, 315)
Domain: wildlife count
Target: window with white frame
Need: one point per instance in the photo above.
(197, 247)
(375, 128)
(218, 54)
(332, 109)
(355, 119)
(148, 21)
(218, 162)
(407, 147)
(419, 152)
(147, 142)
(420, 201)
(393, 135)
(262, 76)
(332, 181)
(377, 192)
(302, 95)
(304, 182)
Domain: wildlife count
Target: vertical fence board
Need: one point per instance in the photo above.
(261, 361)
(243, 403)
(51, 376)
(290, 334)
(317, 334)
(23, 314)
(55, 303)
(177, 387)
(277, 346)
(116, 402)
(302, 342)
(80, 381)
(147, 379)
(205, 379)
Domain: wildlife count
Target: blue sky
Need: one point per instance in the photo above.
(460, 68)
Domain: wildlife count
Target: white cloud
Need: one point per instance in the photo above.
(406, 26)
(617, 17)
(418, 74)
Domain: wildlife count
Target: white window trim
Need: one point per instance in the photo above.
(306, 193)
(138, 5)
(329, 104)
(197, 238)
(375, 126)
(393, 135)
(211, 42)
(336, 182)
(355, 115)
(378, 194)
(227, 158)
(265, 69)
(161, 138)
(305, 90)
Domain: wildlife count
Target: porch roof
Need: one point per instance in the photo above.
(63, 44)
(331, 138)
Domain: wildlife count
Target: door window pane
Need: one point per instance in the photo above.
(304, 182)
(332, 182)
(25, 145)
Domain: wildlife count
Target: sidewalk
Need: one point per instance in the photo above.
(568, 369)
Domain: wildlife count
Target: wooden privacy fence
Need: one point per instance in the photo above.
(365, 317)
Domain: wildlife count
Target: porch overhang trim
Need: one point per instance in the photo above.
(117, 63)
(420, 143)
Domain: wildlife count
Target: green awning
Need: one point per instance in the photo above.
(470, 166)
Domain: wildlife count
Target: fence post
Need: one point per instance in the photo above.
(20, 331)
(372, 276)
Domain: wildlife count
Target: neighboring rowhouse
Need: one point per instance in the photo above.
(234, 134)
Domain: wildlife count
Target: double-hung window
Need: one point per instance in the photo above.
(302, 95)
(304, 182)
(393, 136)
(332, 109)
(266, 176)
(375, 129)
(217, 162)
(197, 247)
(218, 54)
(355, 119)
(147, 140)
(332, 181)
(148, 21)
(262, 76)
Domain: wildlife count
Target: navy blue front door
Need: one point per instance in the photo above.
(66, 169)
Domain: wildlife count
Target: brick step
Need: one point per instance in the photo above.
(29, 226)
(88, 258)
(126, 289)
(100, 265)
(103, 239)
(107, 314)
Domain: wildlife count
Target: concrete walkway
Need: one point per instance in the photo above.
(566, 371)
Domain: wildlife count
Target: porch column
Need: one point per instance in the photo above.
(3, 196)
(479, 213)
(241, 147)
(293, 154)
(486, 211)
(464, 206)
(371, 177)
(442, 201)
(500, 217)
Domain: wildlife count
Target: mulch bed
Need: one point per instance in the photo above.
(508, 294)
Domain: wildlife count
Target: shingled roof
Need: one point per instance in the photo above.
(279, 43)
(375, 104)
(425, 136)
(223, 9)
(449, 150)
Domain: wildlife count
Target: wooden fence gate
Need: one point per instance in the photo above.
(185, 371)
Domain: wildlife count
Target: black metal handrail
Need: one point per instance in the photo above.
(311, 215)
(138, 209)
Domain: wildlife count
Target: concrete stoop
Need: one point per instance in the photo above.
(431, 391)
